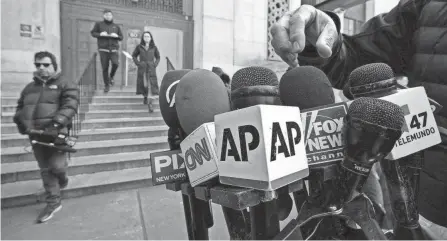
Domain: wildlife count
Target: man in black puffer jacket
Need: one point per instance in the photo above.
(108, 34)
(48, 103)
(411, 38)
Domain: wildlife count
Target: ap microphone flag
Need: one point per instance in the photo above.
(261, 147)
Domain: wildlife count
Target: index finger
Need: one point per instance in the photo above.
(298, 22)
(280, 34)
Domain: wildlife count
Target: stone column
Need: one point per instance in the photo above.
(213, 34)
(250, 32)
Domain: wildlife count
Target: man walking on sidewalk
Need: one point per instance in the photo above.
(108, 34)
(48, 103)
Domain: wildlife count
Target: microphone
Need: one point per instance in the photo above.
(372, 127)
(255, 86)
(306, 87)
(166, 100)
(377, 80)
(371, 80)
(168, 88)
(309, 88)
(252, 86)
(419, 130)
(402, 174)
(200, 95)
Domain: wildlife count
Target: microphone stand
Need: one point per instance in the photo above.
(198, 213)
(323, 203)
(403, 177)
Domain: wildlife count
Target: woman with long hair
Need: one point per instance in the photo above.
(147, 57)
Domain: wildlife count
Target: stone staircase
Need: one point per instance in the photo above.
(117, 136)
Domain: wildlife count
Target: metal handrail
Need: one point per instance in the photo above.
(87, 87)
(169, 64)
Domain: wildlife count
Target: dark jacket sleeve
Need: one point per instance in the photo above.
(96, 31)
(385, 38)
(68, 105)
(157, 56)
(135, 55)
(20, 126)
(120, 34)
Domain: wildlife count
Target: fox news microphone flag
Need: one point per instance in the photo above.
(200, 96)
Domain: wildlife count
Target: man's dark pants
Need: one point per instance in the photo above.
(53, 170)
(106, 58)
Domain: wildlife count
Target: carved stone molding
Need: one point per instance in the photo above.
(276, 8)
(170, 6)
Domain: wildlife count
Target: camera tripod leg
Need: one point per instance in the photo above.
(264, 221)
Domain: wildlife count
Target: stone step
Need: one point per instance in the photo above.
(10, 128)
(25, 171)
(9, 100)
(17, 140)
(91, 148)
(7, 117)
(99, 106)
(99, 114)
(31, 192)
(121, 106)
(122, 122)
(118, 92)
(110, 98)
(118, 99)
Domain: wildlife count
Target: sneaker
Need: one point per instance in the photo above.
(112, 82)
(48, 212)
(106, 89)
(63, 183)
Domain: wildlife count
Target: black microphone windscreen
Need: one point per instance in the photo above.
(253, 76)
(370, 73)
(166, 99)
(306, 87)
(200, 95)
(377, 112)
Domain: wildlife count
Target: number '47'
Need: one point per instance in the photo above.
(415, 120)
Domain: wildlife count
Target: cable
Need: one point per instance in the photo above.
(320, 215)
(315, 230)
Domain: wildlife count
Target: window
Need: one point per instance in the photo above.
(351, 26)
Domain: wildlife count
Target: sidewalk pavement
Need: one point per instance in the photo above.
(109, 216)
(117, 216)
